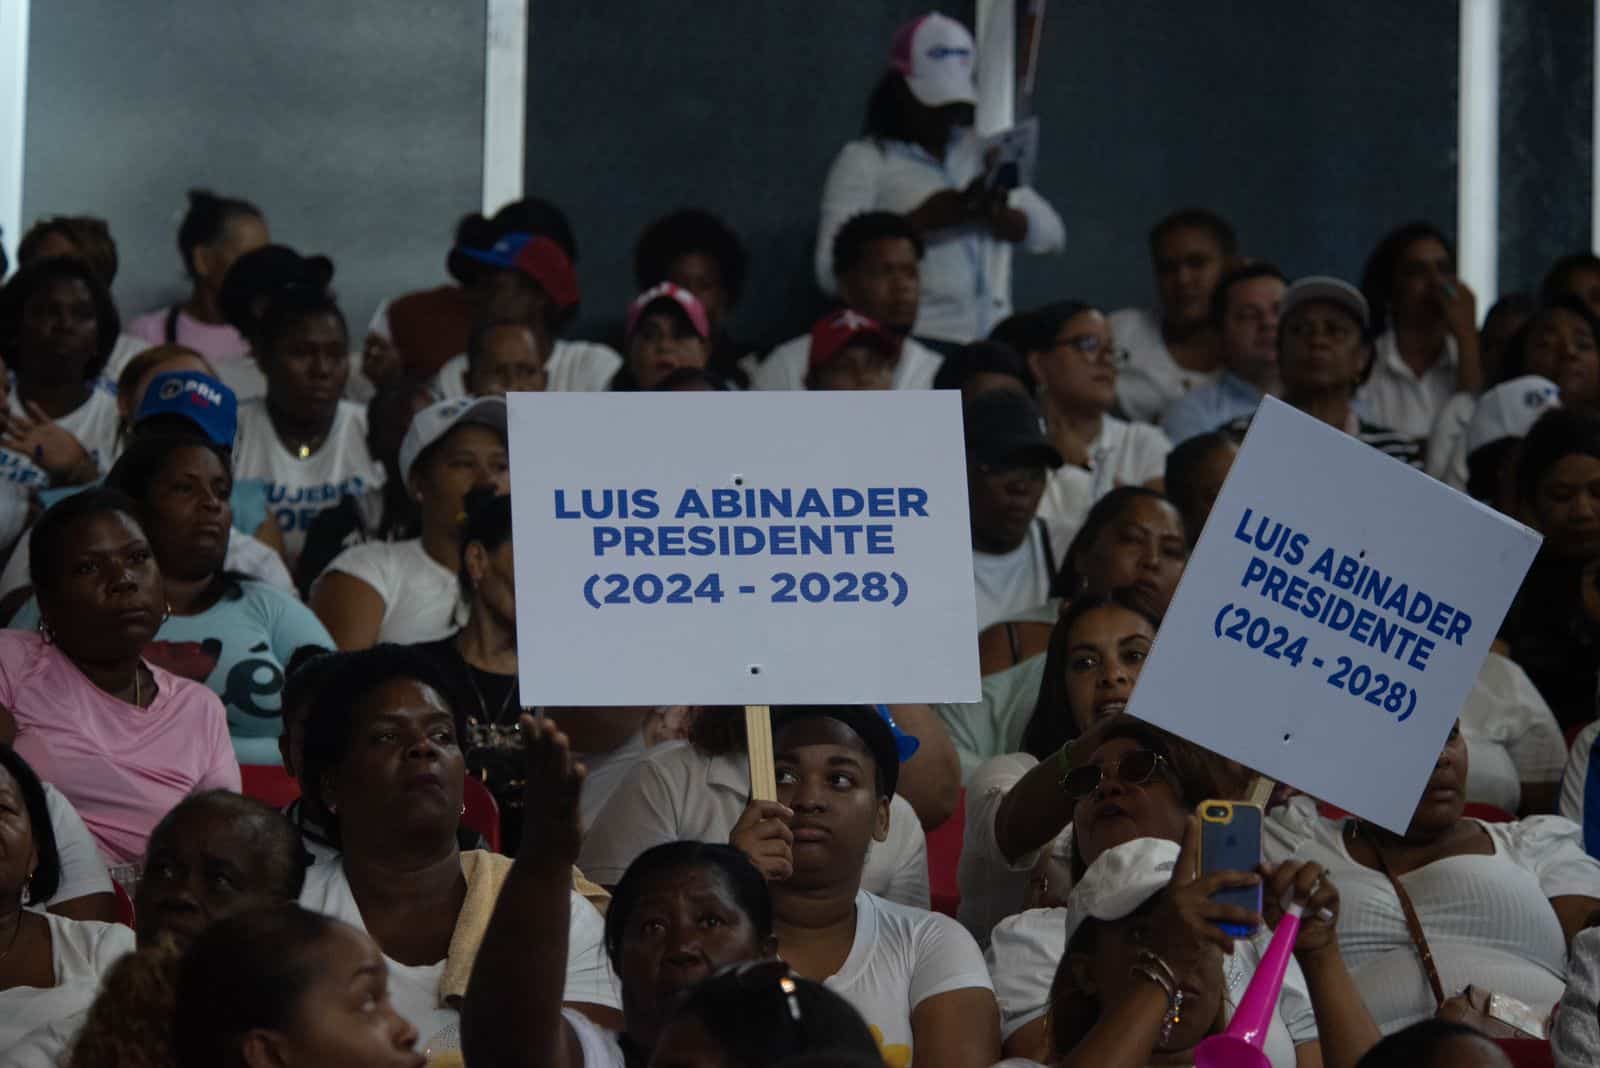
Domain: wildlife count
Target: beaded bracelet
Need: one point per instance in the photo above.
(1152, 967)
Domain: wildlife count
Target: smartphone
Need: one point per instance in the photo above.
(1230, 840)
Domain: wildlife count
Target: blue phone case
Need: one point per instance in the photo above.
(1230, 840)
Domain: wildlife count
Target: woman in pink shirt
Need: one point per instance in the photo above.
(215, 232)
(124, 741)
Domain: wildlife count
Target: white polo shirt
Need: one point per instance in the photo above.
(679, 793)
(1395, 397)
(1151, 380)
(1122, 454)
(786, 365)
(573, 367)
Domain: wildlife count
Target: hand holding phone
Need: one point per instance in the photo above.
(1230, 840)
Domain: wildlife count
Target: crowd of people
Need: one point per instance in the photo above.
(269, 795)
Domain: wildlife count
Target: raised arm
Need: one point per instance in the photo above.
(512, 1013)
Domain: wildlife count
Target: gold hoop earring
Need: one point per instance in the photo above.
(45, 633)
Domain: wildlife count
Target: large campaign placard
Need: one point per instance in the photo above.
(757, 548)
(1333, 617)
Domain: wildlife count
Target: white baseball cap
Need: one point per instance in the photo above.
(1120, 880)
(1510, 409)
(435, 421)
(1326, 288)
(935, 54)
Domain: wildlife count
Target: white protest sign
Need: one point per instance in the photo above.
(742, 548)
(1333, 617)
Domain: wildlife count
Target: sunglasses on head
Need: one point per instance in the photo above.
(1134, 769)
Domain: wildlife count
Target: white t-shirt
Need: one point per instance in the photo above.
(414, 989)
(573, 367)
(246, 554)
(1575, 1038)
(83, 871)
(902, 956)
(1015, 586)
(1512, 736)
(992, 887)
(1447, 445)
(786, 365)
(606, 772)
(1028, 947)
(127, 346)
(679, 793)
(1122, 454)
(597, 1047)
(1151, 379)
(421, 599)
(93, 423)
(300, 490)
(1487, 917)
(1395, 397)
(81, 951)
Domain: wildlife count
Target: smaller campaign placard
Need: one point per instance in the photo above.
(1333, 617)
(742, 548)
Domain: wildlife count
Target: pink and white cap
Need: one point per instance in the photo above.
(935, 54)
(687, 301)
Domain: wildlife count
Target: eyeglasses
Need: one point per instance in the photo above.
(1134, 769)
(1093, 348)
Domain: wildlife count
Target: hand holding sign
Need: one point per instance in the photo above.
(763, 835)
(1332, 618)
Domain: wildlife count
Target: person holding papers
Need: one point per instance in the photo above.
(916, 977)
(921, 158)
(1132, 789)
(1324, 354)
(1495, 904)
(1075, 362)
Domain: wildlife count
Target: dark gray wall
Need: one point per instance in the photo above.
(1312, 126)
(1546, 130)
(357, 125)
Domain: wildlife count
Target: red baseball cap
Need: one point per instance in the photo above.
(836, 331)
(536, 256)
(687, 302)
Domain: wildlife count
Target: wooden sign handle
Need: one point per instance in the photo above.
(758, 742)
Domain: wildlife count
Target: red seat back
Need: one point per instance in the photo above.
(268, 783)
(944, 856)
(1487, 813)
(1527, 1052)
(124, 904)
(483, 812)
